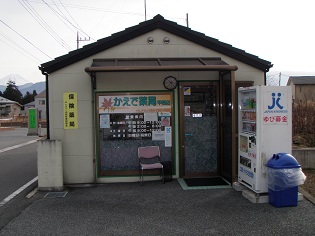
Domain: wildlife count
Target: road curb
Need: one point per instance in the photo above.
(308, 196)
(6, 128)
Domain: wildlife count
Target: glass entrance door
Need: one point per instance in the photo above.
(199, 129)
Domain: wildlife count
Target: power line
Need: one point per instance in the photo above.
(44, 24)
(78, 27)
(60, 15)
(94, 9)
(90, 8)
(106, 10)
(64, 19)
(20, 50)
(52, 32)
(24, 38)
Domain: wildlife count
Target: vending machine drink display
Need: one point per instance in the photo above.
(265, 128)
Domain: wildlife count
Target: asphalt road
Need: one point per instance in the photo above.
(18, 166)
(9, 138)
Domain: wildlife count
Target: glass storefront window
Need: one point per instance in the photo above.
(129, 121)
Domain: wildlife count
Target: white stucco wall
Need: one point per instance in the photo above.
(78, 145)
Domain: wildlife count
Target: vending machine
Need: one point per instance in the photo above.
(264, 129)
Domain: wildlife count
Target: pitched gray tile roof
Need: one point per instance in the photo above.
(41, 95)
(301, 80)
(5, 101)
(158, 22)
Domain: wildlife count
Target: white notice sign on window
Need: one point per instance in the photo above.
(168, 136)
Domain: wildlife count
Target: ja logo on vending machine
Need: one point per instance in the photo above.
(275, 108)
(275, 102)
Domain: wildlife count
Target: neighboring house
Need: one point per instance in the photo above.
(29, 105)
(9, 108)
(156, 83)
(40, 104)
(26, 107)
(303, 88)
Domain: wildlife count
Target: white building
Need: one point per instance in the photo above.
(110, 97)
(40, 104)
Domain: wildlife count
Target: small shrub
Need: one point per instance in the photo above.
(303, 124)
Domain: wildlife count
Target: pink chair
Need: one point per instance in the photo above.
(149, 159)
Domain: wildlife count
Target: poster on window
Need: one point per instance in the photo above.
(187, 110)
(126, 117)
(104, 121)
(166, 121)
(168, 136)
(134, 104)
(187, 91)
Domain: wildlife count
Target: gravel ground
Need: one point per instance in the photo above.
(309, 184)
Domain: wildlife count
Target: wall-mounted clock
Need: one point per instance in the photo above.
(170, 82)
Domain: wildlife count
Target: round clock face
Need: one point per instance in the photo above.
(170, 82)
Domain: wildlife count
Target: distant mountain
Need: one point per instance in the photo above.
(23, 84)
(39, 87)
(29, 87)
(19, 80)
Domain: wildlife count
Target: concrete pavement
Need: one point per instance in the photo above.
(158, 209)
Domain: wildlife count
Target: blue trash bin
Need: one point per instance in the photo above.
(284, 176)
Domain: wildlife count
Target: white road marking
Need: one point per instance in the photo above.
(17, 146)
(7, 199)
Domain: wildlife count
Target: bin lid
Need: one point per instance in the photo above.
(283, 161)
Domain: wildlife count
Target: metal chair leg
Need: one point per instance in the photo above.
(141, 178)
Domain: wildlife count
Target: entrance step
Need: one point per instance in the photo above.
(238, 186)
(254, 197)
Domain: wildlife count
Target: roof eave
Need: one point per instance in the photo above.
(157, 22)
(161, 68)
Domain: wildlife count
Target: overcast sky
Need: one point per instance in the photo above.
(36, 31)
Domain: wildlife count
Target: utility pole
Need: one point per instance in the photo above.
(280, 79)
(187, 20)
(145, 10)
(80, 39)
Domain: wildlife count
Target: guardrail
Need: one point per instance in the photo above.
(5, 119)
